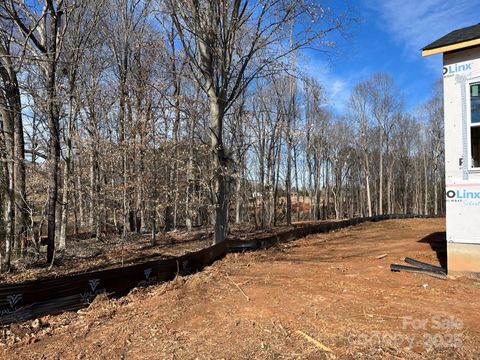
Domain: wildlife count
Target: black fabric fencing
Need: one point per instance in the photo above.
(31, 299)
(35, 298)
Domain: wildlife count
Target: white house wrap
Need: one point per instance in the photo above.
(461, 81)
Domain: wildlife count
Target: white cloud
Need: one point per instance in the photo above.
(416, 23)
(336, 88)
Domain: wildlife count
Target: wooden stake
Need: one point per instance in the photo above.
(238, 287)
(315, 342)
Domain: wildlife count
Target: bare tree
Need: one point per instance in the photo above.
(84, 22)
(230, 43)
(385, 105)
(434, 111)
(13, 136)
(42, 30)
(360, 111)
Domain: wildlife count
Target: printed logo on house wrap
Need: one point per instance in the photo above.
(466, 197)
(453, 69)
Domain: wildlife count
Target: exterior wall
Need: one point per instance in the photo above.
(462, 182)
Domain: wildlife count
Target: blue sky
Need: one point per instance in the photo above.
(388, 38)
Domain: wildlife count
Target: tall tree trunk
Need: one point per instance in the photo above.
(296, 182)
(367, 185)
(53, 156)
(79, 196)
(20, 192)
(9, 216)
(380, 175)
(62, 241)
(66, 174)
(238, 199)
(7, 150)
(11, 104)
(288, 177)
(277, 179)
(425, 182)
(435, 190)
(219, 168)
(54, 129)
(326, 197)
(176, 129)
(190, 177)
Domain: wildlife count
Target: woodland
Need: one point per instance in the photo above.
(146, 116)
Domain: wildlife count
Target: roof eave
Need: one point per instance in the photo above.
(451, 47)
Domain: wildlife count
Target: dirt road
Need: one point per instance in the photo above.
(325, 296)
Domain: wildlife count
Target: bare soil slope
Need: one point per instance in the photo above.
(300, 300)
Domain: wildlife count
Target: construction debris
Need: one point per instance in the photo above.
(420, 267)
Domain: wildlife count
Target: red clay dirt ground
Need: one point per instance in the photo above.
(287, 302)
